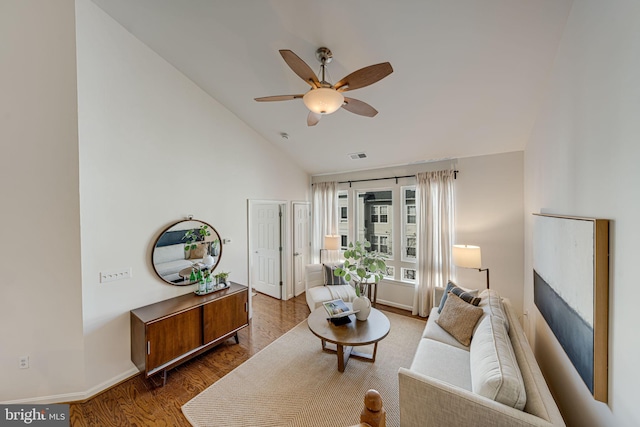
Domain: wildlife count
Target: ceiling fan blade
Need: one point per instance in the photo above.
(300, 68)
(278, 98)
(358, 107)
(313, 118)
(364, 77)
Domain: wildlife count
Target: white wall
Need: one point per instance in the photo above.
(40, 293)
(582, 160)
(92, 171)
(153, 149)
(489, 213)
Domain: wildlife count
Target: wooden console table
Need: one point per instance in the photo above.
(170, 332)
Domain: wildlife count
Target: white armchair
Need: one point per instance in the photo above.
(316, 291)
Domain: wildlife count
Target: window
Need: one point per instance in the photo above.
(409, 275)
(374, 212)
(380, 244)
(410, 248)
(409, 228)
(386, 218)
(343, 221)
(411, 214)
(380, 214)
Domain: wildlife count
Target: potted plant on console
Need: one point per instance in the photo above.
(362, 266)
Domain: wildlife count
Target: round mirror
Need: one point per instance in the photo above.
(184, 249)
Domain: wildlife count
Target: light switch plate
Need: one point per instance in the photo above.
(112, 275)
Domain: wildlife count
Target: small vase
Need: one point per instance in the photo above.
(363, 306)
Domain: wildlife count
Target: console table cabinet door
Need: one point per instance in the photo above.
(228, 314)
(172, 337)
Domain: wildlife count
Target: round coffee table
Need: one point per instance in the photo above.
(353, 334)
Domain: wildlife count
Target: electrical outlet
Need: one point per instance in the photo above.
(110, 276)
(23, 362)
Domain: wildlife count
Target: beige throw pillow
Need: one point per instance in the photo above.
(459, 318)
(199, 252)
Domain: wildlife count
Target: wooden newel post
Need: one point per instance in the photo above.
(373, 413)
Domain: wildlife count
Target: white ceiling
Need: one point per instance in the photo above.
(468, 74)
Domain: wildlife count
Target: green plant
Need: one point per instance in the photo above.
(193, 236)
(362, 266)
(222, 276)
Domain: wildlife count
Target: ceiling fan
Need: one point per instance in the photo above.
(325, 98)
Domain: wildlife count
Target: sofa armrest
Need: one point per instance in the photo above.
(426, 401)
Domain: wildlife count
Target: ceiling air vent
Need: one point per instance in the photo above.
(356, 156)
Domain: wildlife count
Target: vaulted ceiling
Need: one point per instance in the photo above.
(469, 75)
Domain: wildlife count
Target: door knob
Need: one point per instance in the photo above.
(296, 253)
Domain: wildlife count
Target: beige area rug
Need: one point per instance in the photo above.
(292, 382)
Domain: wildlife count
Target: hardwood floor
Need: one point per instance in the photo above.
(144, 402)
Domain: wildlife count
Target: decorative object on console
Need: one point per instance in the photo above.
(571, 290)
(362, 266)
(183, 248)
(468, 256)
(222, 277)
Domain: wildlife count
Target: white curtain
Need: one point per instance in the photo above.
(435, 209)
(324, 215)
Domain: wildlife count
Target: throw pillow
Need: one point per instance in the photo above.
(330, 278)
(459, 318)
(466, 295)
(199, 252)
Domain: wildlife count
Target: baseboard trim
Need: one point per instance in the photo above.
(78, 397)
(394, 304)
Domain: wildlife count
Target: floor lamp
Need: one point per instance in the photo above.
(468, 256)
(331, 243)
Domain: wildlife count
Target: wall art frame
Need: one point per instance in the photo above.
(571, 291)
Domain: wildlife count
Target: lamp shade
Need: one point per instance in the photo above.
(332, 243)
(323, 100)
(467, 256)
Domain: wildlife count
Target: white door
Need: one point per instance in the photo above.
(301, 246)
(266, 248)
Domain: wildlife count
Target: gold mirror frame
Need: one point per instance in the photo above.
(186, 246)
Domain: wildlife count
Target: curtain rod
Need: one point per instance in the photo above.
(455, 176)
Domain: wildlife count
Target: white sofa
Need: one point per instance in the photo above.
(316, 291)
(169, 260)
(447, 382)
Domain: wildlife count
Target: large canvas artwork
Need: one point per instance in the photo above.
(571, 291)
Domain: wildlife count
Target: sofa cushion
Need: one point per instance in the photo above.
(495, 373)
(172, 267)
(467, 295)
(491, 304)
(443, 362)
(329, 277)
(459, 318)
(199, 251)
(168, 253)
(433, 331)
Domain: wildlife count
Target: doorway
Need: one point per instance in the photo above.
(265, 247)
(301, 244)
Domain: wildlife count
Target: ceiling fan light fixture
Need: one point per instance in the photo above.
(323, 100)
